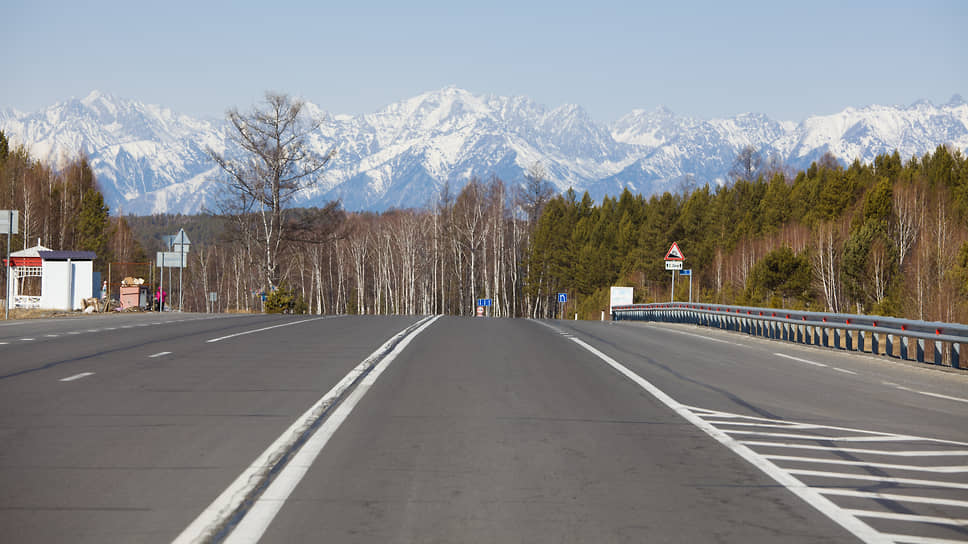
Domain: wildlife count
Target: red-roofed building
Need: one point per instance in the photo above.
(55, 280)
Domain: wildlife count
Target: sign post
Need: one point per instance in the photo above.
(562, 299)
(673, 262)
(180, 244)
(688, 272)
(169, 260)
(8, 224)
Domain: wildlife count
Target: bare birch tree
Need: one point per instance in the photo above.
(277, 162)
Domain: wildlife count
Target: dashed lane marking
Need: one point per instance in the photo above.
(159, 354)
(799, 360)
(77, 376)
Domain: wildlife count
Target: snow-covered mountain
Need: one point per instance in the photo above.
(149, 159)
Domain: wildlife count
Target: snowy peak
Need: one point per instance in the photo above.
(149, 159)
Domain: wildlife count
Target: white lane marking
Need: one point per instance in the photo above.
(911, 539)
(846, 520)
(909, 517)
(915, 468)
(928, 393)
(159, 354)
(799, 360)
(3, 343)
(51, 335)
(712, 415)
(222, 508)
(873, 478)
(845, 371)
(882, 438)
(265, 329)
(893, 497)
(27, 339)
(77, 376)
(910, 453)
(110, 328)
(74, 332)
(255, 523)
(776, 425)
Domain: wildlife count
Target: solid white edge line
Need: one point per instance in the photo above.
(159, 354)
(265, 329)
(209, 520)
(846, 520)
(77, 376)
(251, 528)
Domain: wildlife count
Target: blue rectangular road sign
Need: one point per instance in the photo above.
(687, 272)
(483, 302)
(562, 297)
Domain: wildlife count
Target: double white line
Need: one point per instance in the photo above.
(222, 513)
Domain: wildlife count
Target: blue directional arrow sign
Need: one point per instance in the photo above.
(687, 272)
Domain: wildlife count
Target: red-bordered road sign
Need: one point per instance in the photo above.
(675, 254)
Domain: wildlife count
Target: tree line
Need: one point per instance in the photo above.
(61, 209)
(888, 238)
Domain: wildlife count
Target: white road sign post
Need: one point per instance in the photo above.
(180, 244)
(673, 262)
(8, 224)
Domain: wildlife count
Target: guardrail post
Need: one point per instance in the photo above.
(849, 340)
(904, 343)
(837, 338)
(938, 352)
(955, 355)
(824, 337)
(876, 343)
(920, 350)
(862, 342)
(889, 345)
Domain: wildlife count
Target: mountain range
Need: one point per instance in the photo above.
(149, 159)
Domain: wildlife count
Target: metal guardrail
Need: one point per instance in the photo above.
(887, 336)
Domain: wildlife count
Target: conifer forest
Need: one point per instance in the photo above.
(887, 238)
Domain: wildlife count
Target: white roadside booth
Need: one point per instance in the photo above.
(50, 280)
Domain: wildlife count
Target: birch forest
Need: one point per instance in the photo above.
(886, 238)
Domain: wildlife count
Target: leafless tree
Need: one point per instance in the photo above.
(277, 162)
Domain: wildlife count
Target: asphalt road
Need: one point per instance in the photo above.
(127, 428)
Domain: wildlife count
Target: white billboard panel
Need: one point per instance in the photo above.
(620, 296)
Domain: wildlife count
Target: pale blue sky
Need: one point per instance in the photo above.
(704, 59)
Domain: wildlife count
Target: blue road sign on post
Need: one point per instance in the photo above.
(484, 302)
(685, 272)
(562, 297)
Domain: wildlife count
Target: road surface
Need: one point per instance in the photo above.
(151, 428)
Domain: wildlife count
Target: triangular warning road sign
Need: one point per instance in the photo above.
(674, 254)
